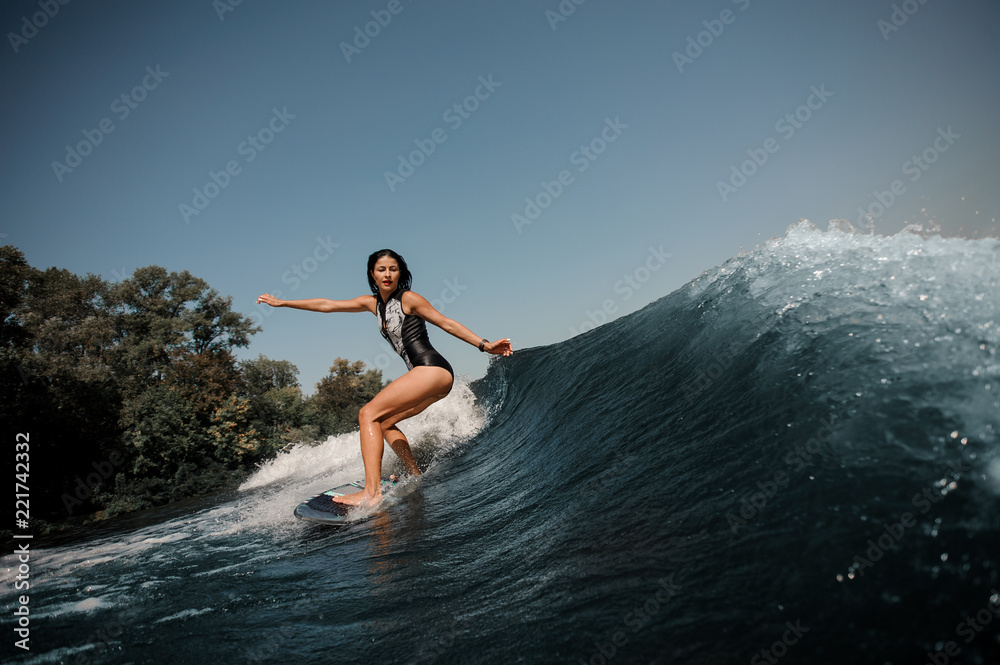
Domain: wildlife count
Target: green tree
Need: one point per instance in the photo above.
(14, 273)
(275, 400)
(163, 433)
(341, 394)
(63, 390)
(180, 421)
(131, 392)
(284, 415)
(161, 314)
(234, 440)
(262, 374)
(205, 379)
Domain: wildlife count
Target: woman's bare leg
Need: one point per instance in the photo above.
(397, 441)
(407, 395)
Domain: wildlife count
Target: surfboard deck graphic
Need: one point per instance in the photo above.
(322, 509)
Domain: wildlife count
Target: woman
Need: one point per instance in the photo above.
(401, 314)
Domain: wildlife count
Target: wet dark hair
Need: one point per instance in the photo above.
(405, 278)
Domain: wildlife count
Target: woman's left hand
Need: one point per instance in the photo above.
(501, 347)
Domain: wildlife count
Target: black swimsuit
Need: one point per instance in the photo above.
(407, 334)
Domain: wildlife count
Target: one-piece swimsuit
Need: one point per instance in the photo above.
(407, 333)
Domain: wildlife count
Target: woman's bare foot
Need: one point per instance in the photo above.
(358, 499)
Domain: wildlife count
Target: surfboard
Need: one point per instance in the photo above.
(322, 509)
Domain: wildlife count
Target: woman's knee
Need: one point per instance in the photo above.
(366, 414)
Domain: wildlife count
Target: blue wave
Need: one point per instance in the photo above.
(805, 433)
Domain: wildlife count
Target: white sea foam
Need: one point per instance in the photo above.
(925, 308)
(454, 418)
(89, 604)
(272, 493)
(184, 614)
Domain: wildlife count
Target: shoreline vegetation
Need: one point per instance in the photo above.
(132, 397)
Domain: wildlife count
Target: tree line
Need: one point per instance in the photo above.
(133, 397)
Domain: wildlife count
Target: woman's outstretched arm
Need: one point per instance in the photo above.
(359, 304)
(419, 306)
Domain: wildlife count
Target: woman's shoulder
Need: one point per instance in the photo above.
(409, 300)
(369, 301)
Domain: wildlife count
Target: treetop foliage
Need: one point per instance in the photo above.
(139, 378)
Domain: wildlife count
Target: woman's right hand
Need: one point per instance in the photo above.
(501, 347)
(268, 299)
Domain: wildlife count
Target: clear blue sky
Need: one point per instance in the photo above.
(309, 129)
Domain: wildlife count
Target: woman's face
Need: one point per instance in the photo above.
(386, 274)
